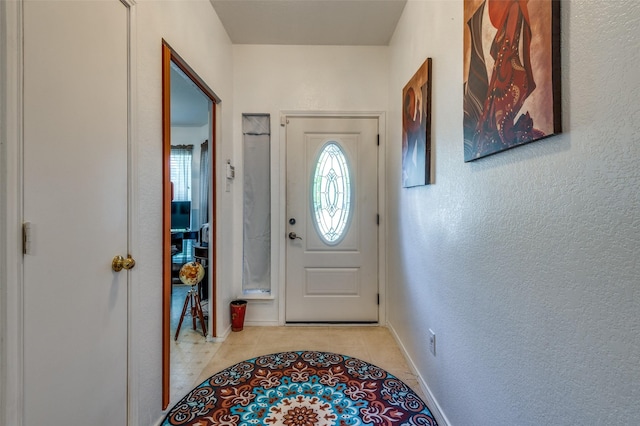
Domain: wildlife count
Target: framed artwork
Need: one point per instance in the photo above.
(416, 128)
(511, 74)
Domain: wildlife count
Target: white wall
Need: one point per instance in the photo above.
(273, 79)
(195, 33)
(192, 135)
(525, 263)
(189, 135)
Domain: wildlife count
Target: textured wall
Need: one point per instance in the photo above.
(194, 31)
(524, 263)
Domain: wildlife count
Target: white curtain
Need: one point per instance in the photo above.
(256, 272)
(181, 172)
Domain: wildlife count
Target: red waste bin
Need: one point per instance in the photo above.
(238, 309)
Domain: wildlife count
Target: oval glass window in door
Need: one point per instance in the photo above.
(331, 194)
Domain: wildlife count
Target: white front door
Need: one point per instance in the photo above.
(75, 197)
(331, 230)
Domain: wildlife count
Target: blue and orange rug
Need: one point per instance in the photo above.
(304, 388)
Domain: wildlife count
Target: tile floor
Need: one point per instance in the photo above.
(193, 359)
(191, 352)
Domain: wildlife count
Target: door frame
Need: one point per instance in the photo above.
(281, 225)
(169, 55)
(11, 209)
(11, 327)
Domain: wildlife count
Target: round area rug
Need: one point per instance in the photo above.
(303, 388)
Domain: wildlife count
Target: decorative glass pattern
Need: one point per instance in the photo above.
(331, 194)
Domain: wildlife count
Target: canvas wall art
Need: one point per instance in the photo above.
(416, 128)
(511, 74)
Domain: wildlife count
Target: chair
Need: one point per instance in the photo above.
(181, 250)
(201, 254)
(176, 249)
(185, 253)
(176, 243)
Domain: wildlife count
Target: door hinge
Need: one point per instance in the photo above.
(378, 298)
(378, 139)
(377, 219)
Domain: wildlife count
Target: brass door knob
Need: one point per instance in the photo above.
(120, 262)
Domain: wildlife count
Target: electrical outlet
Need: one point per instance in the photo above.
(432, 342)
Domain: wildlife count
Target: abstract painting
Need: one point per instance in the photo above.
(511, 74)
(416, 128)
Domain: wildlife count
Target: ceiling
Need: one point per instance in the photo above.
(310, 22)
(189, 106)
(288, 22)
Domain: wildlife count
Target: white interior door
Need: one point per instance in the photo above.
(75, 197)
(332, 231)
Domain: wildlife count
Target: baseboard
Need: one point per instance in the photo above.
(435, 408)
(160, 420)
(262, 323)
(222, 337)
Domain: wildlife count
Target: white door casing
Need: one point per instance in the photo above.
(332, 281)
(75, 197)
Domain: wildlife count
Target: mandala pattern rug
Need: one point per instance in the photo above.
(303, 388)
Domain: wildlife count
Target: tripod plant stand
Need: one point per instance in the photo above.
(191, 274)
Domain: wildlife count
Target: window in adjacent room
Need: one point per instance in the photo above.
(181, 172)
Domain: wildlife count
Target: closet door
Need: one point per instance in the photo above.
(75, 198)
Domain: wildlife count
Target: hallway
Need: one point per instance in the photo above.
(197, 359)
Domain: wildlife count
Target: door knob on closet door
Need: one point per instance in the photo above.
(120, 263)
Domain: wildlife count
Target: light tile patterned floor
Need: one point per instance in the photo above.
(194, 359)
(191, 353)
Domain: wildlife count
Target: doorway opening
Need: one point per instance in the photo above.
(189, 200)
